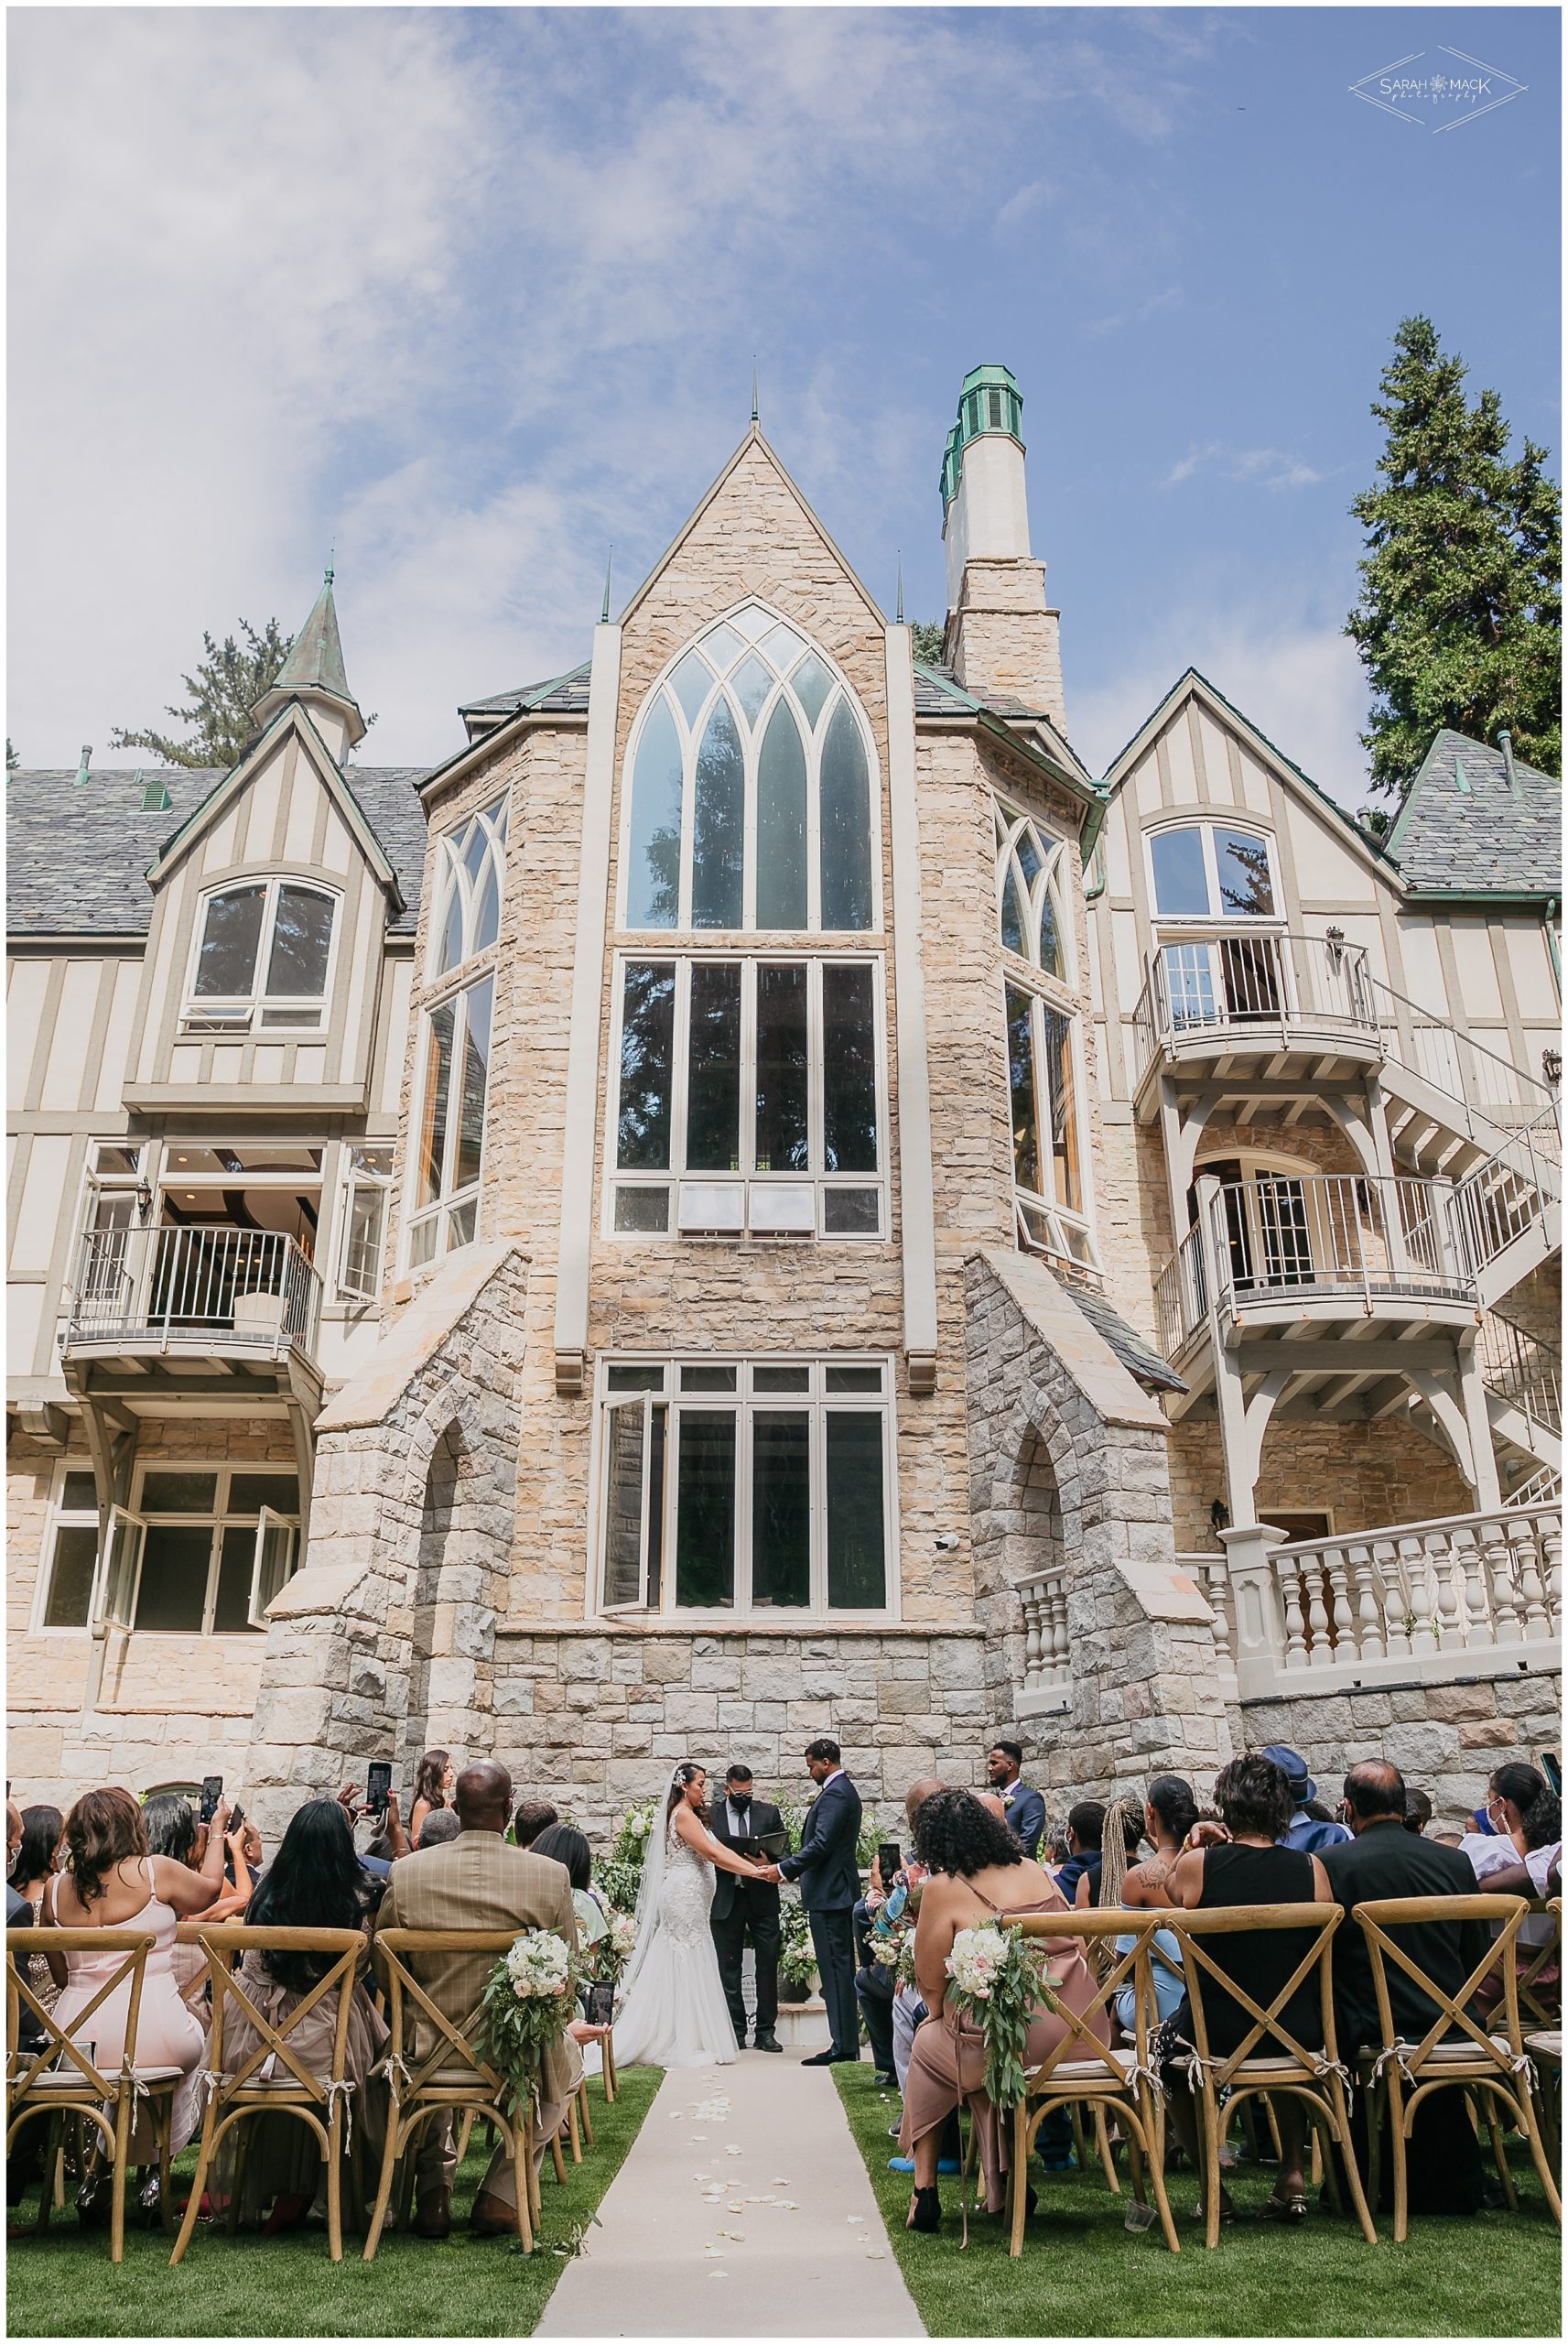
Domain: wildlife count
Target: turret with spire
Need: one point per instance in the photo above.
(314, 675)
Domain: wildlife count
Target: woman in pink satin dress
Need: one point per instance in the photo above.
(110, 1882)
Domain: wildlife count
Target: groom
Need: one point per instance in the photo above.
(829, 1884)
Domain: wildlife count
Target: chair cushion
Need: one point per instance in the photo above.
(1547, 2045)
(56, 2080)
(1077, 2070)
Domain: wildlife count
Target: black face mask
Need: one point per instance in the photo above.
(740, 1801)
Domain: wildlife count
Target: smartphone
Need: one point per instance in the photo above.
(889, 1861)
(211, 1792)
(236, 1818)
(378, 1784)
(1552, 1767)
(599, 2002)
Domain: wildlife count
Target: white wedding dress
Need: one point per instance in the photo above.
(671, 2012)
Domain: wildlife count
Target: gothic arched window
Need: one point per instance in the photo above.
(1030, 889)
(751, 805)
(471, 863)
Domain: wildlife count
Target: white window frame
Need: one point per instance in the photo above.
(284, 1527)
(114, 1573)
(142, 1518)
(815, 1401)
(1051, 881)
(60, 1516)
(451, 871)
(746, 1179)
(1206, 824)
(357, 1178)
(447, 1202)
(1069, 1228)
(249, 1012)
(763, 617)
(95, 1185)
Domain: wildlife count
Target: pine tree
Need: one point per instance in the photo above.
(928, 635)
(226, 688)
(12, 760)
(1460, 616)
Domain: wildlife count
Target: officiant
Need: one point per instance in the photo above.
(748, 1908)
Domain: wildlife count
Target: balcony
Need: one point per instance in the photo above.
(1329, 1247)
(191, 1312)
(1212, 1003)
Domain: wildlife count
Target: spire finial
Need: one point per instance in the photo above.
(609, 564)
(331, 564)
(901, 586)
(754, 386)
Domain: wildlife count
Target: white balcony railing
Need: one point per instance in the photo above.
(1047, 1671)
(1475, 1076)
(1504, 1198)
(1247, 988)
(1313, 1237)
(1524, 1371)
(157, 1289)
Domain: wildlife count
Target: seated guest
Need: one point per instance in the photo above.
(1169, 1814)
(564, 1844)
(1311, 1833)
(1121, 1836)
(1418, 1812)
(976, 1869)
(476, 1882)
(1250, 1866)
(316, 1880)
(433, 1779)
(877, 1990)
(173, 1830)
(440, 1827)
(37, 1862)
(1025, 1809)
(1384, 1859)
(110, 1882)
(903, 1897)
(1086, 1827)
(1526, 1819)
(534, 1816)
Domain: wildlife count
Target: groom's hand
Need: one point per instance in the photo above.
(769, 1873)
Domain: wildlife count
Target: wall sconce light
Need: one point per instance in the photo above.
(1218, 1516)
(144, 1199)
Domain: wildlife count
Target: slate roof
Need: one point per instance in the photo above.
(1140, 1359)
(79, 855)
(557, 696)
(1465, 829)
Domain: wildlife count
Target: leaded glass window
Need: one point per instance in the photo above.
(1032, 883)
(471, 866)
(751, 803)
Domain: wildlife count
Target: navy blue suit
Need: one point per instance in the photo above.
(829, 1888)
(1025, 1815)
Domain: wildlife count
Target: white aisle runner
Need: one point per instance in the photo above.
(743, 2209)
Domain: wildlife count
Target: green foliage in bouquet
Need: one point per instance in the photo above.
(529, 1999)
(620, 1875)
(797, 1956)
(996, 1978)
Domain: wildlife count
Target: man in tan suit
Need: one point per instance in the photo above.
(476, 1882)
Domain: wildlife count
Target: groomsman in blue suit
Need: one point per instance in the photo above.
(1024, 1809)
(830, 1881)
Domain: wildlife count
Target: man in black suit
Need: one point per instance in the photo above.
(830, 1881)
(1383, 1858)
(743, 1908)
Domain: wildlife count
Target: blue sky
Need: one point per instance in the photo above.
(470, 294)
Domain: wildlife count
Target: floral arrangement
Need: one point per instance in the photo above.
(613, 1950)
(620, 1875)
(997, 1981)
(797, 1955)
(529, 1998)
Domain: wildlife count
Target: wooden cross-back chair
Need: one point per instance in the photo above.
(1537, 1969)
(445, 2075)
(1268, 2061)
(1544, 2044)
(275, 2078)
(1083, 2067)
(61, 2078)
(1488, 2057)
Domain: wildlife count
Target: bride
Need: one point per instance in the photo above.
(671, 2012)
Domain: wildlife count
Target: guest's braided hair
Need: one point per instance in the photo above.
(1119, 1843)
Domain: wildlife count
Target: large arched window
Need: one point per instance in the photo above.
(1031, 873)
(470, 864)
(750, 798)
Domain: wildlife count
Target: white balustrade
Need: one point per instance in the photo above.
(1047, 1673)
(160, 1288)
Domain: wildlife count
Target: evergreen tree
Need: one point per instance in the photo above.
(226, 688)
(12, 759)
(926, 634)
(1460, 616)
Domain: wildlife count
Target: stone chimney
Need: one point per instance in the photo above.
(1001, 636)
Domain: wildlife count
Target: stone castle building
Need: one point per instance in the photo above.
(761, 1196)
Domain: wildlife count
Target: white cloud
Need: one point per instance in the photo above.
(1298, 679)
(1094, 328)
(1253, 467)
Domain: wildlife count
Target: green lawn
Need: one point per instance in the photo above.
(66, 2285)
(1081, 2273)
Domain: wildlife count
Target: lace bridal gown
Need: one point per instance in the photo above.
(672, 2013)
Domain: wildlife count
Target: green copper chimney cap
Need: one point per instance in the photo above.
(990, 400)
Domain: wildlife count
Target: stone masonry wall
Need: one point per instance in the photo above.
(1444, 1738)
(1144, 1686)
(1362, 1475)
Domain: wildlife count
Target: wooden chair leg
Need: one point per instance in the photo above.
(165, 2126)
(1210, 2124)
(52, 2193)
(585, 2112)
(575, 2132)
(335, 2186)
(1339, 2111)
(1017, 2176)
(1080, 2147)
(1376, 2115)
(242, 2139)
(465, 2128)
(56, 2134)
(1102, 2142)
(557, 2159)
(203, 2167)
(1500, 2155)
(1529, 2126)
(122, 2117)
(535, 2201)
(397, 2139)
(1155, 2124)
(607, 2069)
(1274, 2124)
(1397, 2143)
(522, 2180)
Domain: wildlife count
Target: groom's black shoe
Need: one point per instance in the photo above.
(820, 2059)
(766, 2040)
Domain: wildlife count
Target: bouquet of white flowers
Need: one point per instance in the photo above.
(613, 1950)
(529, 1998)
(997, 1980)
(978, 1954)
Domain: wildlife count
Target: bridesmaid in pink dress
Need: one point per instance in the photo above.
(110, 1882)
